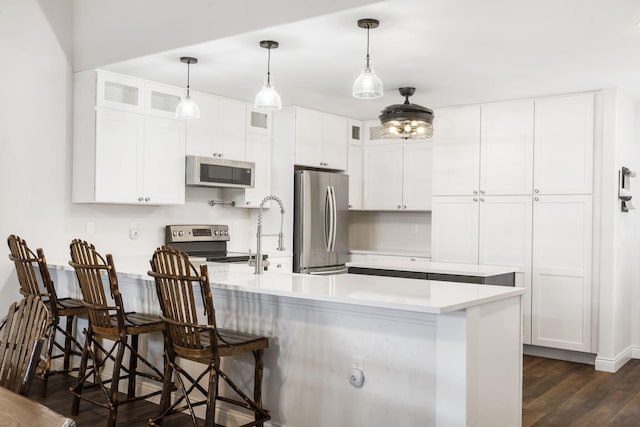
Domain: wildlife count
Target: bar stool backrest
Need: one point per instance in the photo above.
(177, 283)
(32, 282)
(90, 269)
(21, 338)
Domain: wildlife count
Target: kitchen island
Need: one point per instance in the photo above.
(433, 353)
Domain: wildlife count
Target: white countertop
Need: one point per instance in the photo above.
(426, 266)
(414, 295)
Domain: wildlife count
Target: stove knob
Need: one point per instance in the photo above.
(216, 233)
(180, 233)
(175, 233)
(225, 232)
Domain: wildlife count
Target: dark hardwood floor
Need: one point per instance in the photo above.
(556, 393)
(131, 414)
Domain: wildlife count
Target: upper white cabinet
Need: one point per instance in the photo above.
(125, 150)
(506, 148)
(320, 139)
(456, 151)
(355, 164)
(564, 136)
(397, 176)
(221, 129)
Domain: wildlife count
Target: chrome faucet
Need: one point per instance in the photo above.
(259, 263)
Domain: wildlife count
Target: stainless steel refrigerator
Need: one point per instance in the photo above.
(320, 222)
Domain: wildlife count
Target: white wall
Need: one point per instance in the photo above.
(36, 131)
(618, 245)
(390, 232)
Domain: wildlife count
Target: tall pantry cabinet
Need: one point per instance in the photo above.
(512, 186)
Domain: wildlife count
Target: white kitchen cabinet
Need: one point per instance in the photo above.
(397, 176)
(563, 149)
(162, 100)
(562, 263)
(258, 151)
(490, 230)
(320, 139)
(282, 264)
(506, 148)
(355, 172)
(221, 129)
(125, 157)
(456, 151)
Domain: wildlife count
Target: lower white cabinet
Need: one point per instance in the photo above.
(125, 157)
(547, 238)
(283, 264)
(562, 263)
(397, 176)
(493, 230)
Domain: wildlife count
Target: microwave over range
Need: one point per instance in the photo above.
(219, 172)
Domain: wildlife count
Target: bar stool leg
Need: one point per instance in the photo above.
(133, 366)
(257, 381)
(212, 394)
(51, 336)
(75, 406)
(67, 343)
(115, 382)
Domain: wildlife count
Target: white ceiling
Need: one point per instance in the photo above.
(453, 51)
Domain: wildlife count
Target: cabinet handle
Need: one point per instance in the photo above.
(475, 191)
(475, 199)
(140, 199)
(536, 191)
(536, 198)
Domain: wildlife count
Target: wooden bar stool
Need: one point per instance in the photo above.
(21, 338)
(113, 323)
(31, 284)
(178, 285)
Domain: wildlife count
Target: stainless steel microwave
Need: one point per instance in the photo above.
(219, 172)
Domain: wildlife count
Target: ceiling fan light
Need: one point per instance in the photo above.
(368, 85)
(268, 98)
(187, 109)
(406, 120)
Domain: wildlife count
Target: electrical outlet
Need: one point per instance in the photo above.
(357, 362)
(133, 230)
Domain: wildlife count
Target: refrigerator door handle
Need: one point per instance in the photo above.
(327, 219)
(334, 222)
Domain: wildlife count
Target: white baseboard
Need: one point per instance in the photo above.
(555, 353)
(606, 364)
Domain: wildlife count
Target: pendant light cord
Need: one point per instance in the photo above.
(368, 26)
(269, 66)
(188, 69)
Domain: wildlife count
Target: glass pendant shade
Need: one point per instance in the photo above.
(268, 98)
(368, 85)
(408, 121)
(187, 109)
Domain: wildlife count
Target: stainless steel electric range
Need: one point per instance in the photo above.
(204, 241)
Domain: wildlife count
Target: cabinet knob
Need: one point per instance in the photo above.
(350, 206)
(475, 191)
(404, 206)
(279, 266)
(220, 155)
(482, 199)
(398, 207)
(475, 199)
(481, 191)
(146, 199)
(140, 199)
(536, 191)
(536, 198)
(247, 202)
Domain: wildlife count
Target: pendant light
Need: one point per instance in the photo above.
(407, 120)
(187, 109)
(268, 98)
(368, 85)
